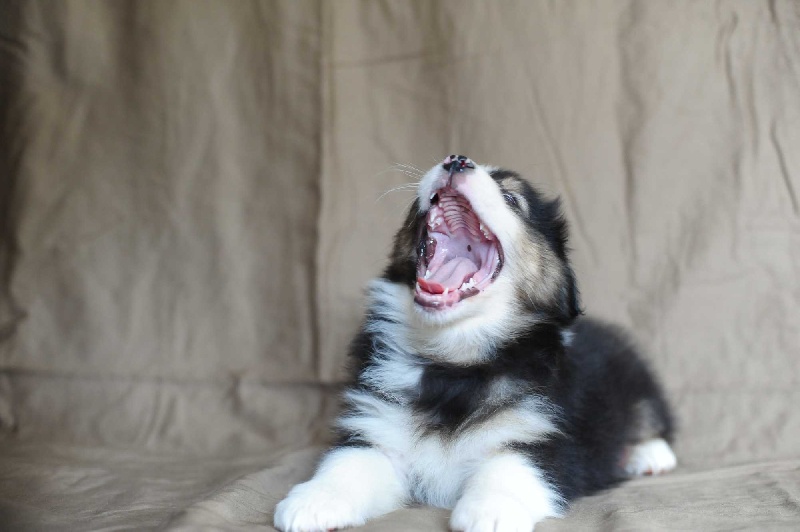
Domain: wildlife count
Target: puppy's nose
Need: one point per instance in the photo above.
(457, 163)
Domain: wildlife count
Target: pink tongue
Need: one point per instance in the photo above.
(449, 275)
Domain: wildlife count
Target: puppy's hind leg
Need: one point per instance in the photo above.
(650, 453)
(351, 485)
(651, 457)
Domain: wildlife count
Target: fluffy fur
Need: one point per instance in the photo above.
(504, 406)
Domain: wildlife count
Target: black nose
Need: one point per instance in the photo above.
(457, 163)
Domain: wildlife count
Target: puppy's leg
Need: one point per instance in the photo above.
(351, 485)
(506, 494)
(651, 457)
(649, 452)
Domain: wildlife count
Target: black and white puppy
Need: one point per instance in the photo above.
(477, 386)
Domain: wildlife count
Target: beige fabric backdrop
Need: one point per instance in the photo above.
(192, 202)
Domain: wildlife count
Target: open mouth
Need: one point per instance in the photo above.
(458, 255)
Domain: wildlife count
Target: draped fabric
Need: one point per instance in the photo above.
(193, 196)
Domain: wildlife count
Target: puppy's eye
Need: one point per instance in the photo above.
(511, 199)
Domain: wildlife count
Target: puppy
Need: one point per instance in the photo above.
(477, 385)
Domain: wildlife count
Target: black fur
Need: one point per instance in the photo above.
(601, 387)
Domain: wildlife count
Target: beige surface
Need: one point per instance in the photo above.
(190, 205)
(66, 488)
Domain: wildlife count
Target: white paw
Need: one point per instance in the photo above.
(311, 507)
(493, 513)
(652, 457)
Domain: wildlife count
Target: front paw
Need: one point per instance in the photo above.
(494, 512)
(314, 508)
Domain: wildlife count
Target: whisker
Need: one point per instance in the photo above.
(410, 171)
(390, 169)
(409, 174)
(410, 167)
(406, 186)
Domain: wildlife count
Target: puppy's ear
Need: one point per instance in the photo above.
(569, 304)
(570, 298)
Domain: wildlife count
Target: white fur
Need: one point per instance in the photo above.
(474, 328)
(567, 336)
(651, 457)
(506, 494)
(351, 486)
(464, 335)
(439, 466)
(395, 368)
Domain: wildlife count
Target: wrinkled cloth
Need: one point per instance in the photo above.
(68, 488)
(193, 197)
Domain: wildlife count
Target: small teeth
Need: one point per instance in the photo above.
(446, 290)
(468, 284)
(427, 274)
(433, 195)
(436, 222)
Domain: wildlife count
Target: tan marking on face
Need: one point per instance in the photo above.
(539, 272)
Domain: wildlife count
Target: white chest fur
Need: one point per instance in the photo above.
(436, 466)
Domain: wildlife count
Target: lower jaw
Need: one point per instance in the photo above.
(437, 302)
